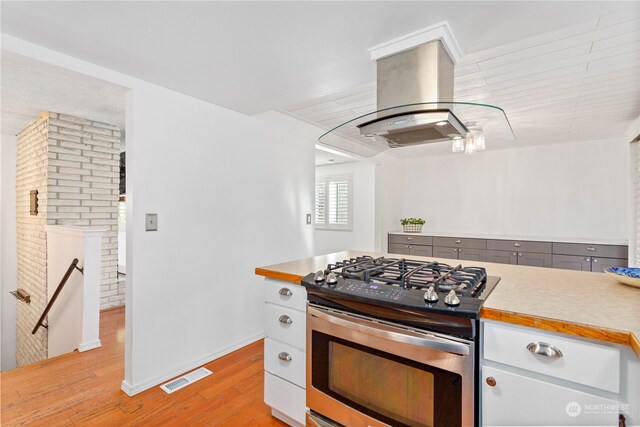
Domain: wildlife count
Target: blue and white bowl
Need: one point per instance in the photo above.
(627, 275)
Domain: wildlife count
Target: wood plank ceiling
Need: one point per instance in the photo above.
(578, 83)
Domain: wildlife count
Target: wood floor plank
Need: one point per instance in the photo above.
(83, 389)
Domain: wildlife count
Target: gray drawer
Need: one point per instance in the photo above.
(459, 242)
(395, 248)
(519, 245)
(415, 240)
(609, 251)
(572, 262)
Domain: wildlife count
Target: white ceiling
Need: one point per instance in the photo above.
(28, 87)
(326, 158)
(561, 70)
(581, 82)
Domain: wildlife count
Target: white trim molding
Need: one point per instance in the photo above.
(440, 31)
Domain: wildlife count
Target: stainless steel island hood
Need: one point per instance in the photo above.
(414, 106)
(423, 74)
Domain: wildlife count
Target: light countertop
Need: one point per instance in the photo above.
(591, 305)
(520, 238)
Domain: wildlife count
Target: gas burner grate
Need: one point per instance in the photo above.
(412, 274)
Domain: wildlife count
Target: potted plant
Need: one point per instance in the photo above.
(412, 225)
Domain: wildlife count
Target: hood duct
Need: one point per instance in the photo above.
(423, 74)
(414, 106)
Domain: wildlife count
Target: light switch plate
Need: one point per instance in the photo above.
(308, 219)
(151, 222)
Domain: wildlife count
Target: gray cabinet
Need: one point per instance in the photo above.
(571, 256)
(585, 257)
(417, 245)
(457, 248)
(520, 252)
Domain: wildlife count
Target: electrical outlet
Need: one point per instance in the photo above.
(308, 219)
(151, 222)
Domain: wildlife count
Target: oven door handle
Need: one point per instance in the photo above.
(386, 332)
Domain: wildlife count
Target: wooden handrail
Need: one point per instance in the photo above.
(72, 266)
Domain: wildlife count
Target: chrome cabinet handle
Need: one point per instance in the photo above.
(588, 259)
(285, 292)
(410, 247)
(520, 254)
(409, 238)
(591, 248)
(517, 245)
(457, 241)
(514, 254)
(284, 356)
(595, 260)
(285, 319)
(406, 246)
(544, 349)
(491, 381)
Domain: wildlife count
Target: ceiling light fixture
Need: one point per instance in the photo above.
(457, 144)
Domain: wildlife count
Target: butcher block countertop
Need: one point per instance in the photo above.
(583, 304)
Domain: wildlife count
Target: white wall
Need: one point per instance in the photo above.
(231, 193)
(389, 195)
(561, 190)
(8, 261)
(362, 234)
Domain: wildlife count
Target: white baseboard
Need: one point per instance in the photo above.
(89, 345)
(137, 388)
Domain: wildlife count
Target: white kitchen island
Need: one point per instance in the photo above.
(592, 319)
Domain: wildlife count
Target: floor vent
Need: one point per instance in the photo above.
(185, 380)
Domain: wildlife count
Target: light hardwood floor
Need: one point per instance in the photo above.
(83, 389)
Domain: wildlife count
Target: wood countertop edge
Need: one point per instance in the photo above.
(279, 275)
(576, 329)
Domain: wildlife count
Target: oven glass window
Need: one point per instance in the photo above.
(382, 385)
(392, 389)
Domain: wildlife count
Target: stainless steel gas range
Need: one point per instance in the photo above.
(394, 342)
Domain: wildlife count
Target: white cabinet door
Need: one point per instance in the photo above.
(516, 400)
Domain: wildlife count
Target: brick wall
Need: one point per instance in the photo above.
(74, 165)
(84, 177)
(31, 174)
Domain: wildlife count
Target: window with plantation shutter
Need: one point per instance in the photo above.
(333, 202)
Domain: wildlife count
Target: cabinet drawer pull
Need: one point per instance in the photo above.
(285, 292)
(544, 349)
(520, 254)
(595, 260)
(587, 259)
(457, 241)
(517, 245)
(285, 319)
(284, 356)
(591, 248)
(409, 238)
(514, 254)
(491, 381)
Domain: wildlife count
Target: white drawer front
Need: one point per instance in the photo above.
(277, 292)
(293, 333)
(581, 362)
(292, 370)
(285, 397)
(516, 400)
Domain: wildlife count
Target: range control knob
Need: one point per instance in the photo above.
(452, 298)
(331, 279)
(319, 277)
(431, 295)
